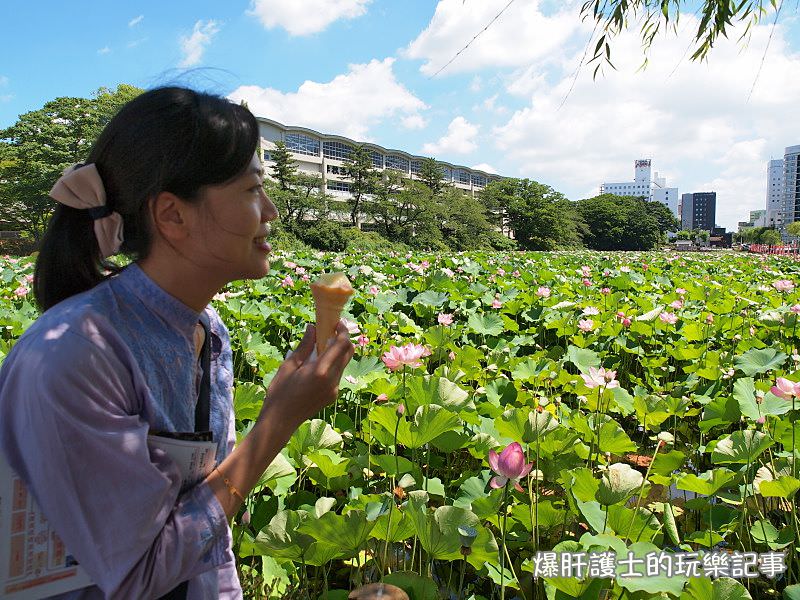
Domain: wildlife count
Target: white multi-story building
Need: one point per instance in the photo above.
(645, 184)
(791, 185)
(774, 208)
(326, 154)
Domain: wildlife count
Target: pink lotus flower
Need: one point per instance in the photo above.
(445, 319)
(515, 273)
(605, 291)
(408, 355)
(677, 304)
(785, 388)
(29, 278)
(381, 398)
(501, 271)
(586, 282)
(709, 319)
(543, 292)
(373, 289)
(586, 270)
(299, 270)
(305, 277)
(362, 340)
(680, 291)
(509, 466)
(289, 264)
(783, 285)
(795, 308)
(21, 291)
(287, 282)
(448, 272)
(496, 303)
(600, 377)
(625, 269)
(620, 315)
(586, 325)
(590, 310)
(352, 327)
(668, 317)
(626, 322)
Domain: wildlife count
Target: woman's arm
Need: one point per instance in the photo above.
(299, 390)
(71, 427)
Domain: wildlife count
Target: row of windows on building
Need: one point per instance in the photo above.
(303, 144)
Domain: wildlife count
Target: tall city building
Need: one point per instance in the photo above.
(791, 185)
(774, 208)
(645, 184)
(699, 210)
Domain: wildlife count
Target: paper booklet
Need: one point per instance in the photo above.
(34, 563)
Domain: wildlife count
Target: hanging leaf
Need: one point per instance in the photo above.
(754, 362)
(741, 447)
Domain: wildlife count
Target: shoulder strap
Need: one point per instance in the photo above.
(201, 415)
(201, 422)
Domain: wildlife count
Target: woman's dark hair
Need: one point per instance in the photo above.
(169, 139)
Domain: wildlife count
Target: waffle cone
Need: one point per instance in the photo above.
(331, 292)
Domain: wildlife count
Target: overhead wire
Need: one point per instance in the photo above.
(497, 16)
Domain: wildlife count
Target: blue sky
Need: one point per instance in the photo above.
(365, 69)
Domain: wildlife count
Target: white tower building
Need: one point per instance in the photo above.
(645, 184)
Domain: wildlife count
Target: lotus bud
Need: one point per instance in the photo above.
(400, 410)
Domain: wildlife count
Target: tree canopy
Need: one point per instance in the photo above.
(41, 144)
(619, 223)
(540, 217)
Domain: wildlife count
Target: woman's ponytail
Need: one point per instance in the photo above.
(69, 260)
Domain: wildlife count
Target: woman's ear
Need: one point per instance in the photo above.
(170, 216)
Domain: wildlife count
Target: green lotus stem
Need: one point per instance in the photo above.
(461, 578)
(639, 493)
(502, 554)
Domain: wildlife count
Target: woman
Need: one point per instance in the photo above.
(174, 182)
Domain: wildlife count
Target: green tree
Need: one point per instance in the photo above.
(462, 221)
(667, 221)
(431, 173)
(793, 229)
(404, 210)
(362, 176)
(612, 17)
(619, 223)
(540, 217)
(285, 169)
(41, 144)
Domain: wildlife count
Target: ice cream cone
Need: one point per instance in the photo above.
(331, 292)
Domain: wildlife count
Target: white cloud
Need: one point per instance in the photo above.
(459, 139)
(135, 21)
(522, 34)
(134, 43)
(414, 122)
(476, 84)
(306, 17)
(104, 50)
(193, 46)
(484, 167)
(349, 104)
(3, 80)
(695, 123)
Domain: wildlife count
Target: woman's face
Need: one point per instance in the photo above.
(234, 218)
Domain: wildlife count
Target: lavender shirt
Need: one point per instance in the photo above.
(78, 394)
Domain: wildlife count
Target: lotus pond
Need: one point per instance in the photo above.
(502, 407)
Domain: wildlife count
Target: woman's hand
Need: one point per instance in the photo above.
(300, 389)
(304, 385)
